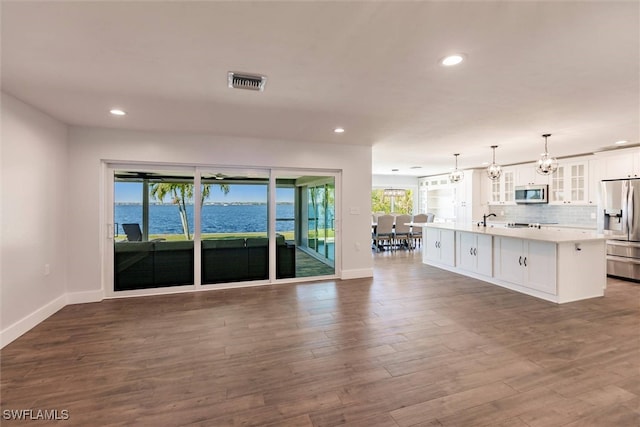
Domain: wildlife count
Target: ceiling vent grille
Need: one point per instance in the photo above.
(246, 81)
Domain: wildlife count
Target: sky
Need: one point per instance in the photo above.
(130, 192)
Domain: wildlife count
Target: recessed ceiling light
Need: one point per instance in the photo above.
(339, 130)
(621, 142)
(452, 60)
(415, 167)
(395, 170)
(118, 112)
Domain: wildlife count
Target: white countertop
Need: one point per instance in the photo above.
(556, 236)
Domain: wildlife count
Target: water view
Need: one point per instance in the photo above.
(216, 218)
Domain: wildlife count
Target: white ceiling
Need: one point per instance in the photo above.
(571, 69)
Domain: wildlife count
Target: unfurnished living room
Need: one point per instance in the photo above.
(194, 198)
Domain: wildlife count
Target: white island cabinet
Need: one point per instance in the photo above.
(439, 246)
(558, 266)
(474, 252)
(527, 263)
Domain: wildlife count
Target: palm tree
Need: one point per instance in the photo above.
(181, 194)
(325, 193)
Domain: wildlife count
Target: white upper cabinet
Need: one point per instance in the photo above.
(619, 164)
(502, 190)
(527, 175)
(460, 203)
(570, 183)
(438, 196)
(469, 197)
(595, 176)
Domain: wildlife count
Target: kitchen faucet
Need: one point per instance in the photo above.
(484, 219)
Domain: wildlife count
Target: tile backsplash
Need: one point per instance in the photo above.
(582, 216)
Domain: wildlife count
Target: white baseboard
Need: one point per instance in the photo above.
(20, 327)
(84, 297)
(356, 274)
(12, 332)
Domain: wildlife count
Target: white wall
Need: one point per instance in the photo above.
(35, 224)
(394, 181)
(88, 147)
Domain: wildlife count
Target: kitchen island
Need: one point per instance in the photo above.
(555, 265)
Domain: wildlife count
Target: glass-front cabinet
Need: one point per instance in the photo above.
(502, 190)
(569, 184)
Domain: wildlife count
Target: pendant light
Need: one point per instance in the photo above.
(456, 175)
(547, 164)
(494, 171)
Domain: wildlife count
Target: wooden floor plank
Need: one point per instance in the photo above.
(414, 345)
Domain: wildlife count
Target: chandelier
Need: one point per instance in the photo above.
(547, 164)
(494, 171)
(456, 175)
(394, 192)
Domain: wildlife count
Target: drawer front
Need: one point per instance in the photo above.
(623, 267)
(623, 249)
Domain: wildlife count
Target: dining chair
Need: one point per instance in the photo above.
(416, 232)
(402, 231)
(383, 232)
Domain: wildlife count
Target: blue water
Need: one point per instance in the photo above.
(165, 219)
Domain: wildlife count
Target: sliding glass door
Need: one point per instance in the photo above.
(153, 224)
(321, 219)
(234, 226)
(207, 226)
(305, 206)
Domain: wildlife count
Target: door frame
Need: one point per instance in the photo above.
(106, 218)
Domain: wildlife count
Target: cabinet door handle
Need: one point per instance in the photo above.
(470, 251)
(475, 251)
(525, 261)
(520, 260)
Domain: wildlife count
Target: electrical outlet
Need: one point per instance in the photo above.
(593, 215)
(47, 269)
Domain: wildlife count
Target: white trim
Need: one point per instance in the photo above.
(14, 331)
(271, 226)
(197, 224)
(356, 273)
(84, 297)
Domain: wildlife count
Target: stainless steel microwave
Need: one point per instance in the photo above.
(532, 194)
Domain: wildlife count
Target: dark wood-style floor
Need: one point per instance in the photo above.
(413, 346)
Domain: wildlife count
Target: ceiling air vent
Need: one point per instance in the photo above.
(246, 81)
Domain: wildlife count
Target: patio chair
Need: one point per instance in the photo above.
(134, 233)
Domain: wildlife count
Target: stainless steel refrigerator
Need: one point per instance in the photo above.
(620, 210)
